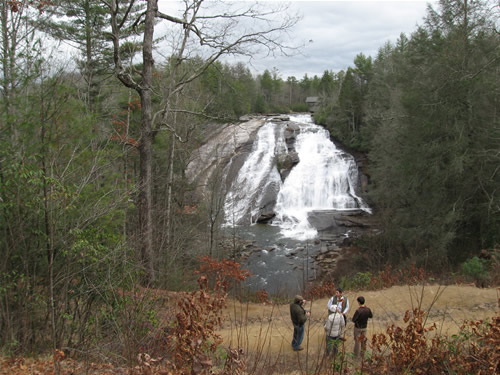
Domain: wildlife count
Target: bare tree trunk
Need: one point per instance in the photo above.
(49, 245)
(170, 182)
(215, 45)
(146, 148)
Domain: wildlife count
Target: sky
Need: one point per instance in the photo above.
(335, 31)
(332, 32)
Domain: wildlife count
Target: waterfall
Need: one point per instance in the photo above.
(257, 174)
(324, 179)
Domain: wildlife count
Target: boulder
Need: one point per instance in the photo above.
(265, 217)
(265, 213)
(280, 118)
(287, 160)
(290, 135)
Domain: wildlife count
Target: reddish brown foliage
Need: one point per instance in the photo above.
(188, 210)
(262, 296)
(17, 5)
(188, 345)
(43, 366)
(201, 313)
(121, 128)
(409, 350)
(235, 364)
(407, 276)
(316, 291)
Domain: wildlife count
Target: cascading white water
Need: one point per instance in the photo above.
(258, 172)
(323, 179)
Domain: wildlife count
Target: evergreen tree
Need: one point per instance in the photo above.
(84, 25)
(433, 181)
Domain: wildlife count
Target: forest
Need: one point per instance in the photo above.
(94, 203)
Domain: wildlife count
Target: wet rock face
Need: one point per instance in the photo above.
(223, 143)
(266, 211)
(286, 162)
(335, 221)
(225, 150)
(291, 132)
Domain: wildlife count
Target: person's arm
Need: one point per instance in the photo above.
(346, 305)
(330, 301)
(302, 315)
(356, 316)
(342, 326)
(328, 326)
(371, 314)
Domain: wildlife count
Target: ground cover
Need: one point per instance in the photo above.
(263, 332)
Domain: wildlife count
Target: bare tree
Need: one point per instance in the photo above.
(217, 29)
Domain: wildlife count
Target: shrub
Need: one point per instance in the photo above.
(316, 291)
(361, 280)
(194, 332)
(409, 350)
(476, 270)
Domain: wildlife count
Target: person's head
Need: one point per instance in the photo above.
(361, 300)
(299, 299)
(338, 292)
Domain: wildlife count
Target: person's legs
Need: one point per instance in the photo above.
(362, 337)
(329, 344)
(298, 336)
(332, 344)
(335, 346)
(359, 340)
(301, 334)
(356, 342)
(295, 336)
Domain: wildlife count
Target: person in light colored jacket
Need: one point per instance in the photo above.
(341, 301)
(334, 330)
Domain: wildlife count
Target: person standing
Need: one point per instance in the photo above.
(341, 301)
(299, 318)
(334, 330)
(360, 319)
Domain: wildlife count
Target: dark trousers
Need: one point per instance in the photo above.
(298, 336)
(332, 344)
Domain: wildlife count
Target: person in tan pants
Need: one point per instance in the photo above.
(360, 320)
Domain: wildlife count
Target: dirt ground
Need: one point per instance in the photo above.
(267, 329)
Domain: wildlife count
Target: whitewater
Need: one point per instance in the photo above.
(324, 179)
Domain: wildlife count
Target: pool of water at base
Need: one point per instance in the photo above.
(283, 266)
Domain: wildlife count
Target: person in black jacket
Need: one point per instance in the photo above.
(360, 320)
(299, 317)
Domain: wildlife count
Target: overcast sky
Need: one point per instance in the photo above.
(335, 31)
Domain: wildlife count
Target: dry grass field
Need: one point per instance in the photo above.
(266, 329)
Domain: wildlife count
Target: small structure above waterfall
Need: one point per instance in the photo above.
(313, 103)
